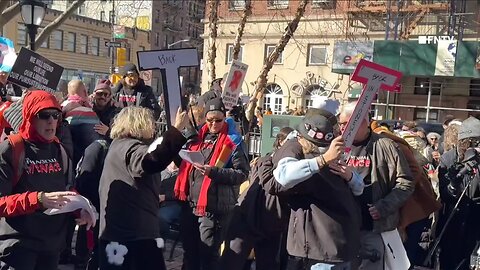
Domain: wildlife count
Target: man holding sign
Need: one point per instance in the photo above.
(385, 171)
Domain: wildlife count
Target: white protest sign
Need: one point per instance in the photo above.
(233, 85)
(374, 77)
(169, 61)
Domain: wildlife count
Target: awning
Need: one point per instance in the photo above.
(447, 59)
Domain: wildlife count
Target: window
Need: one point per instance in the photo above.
(277, 3)
(81, 9)
(83, 44)
(230, 53)
(423, 84)
(269, 49)
(421, 115)
(475, 88)
(110, 16)
(22, 34)
(71, 37)
(317, 55)
(57, 40)
(45, 43)
(129, 52)
(325, 4)
(95, 46)
(102, 15)
(236, 4)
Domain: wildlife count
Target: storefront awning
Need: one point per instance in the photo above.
(448, 59)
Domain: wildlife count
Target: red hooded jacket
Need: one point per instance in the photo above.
(34, 102)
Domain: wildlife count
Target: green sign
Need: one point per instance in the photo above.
(272, 124)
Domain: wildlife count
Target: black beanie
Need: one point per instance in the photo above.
(215, 104)
(318, 126)
(128, 68)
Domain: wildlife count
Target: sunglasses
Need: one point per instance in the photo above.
(214, 120)
(47, 115)
(132, 75)
(102, 94)
(433, 139)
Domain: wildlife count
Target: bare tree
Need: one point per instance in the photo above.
(263, 77)
(8, 12)
(212, 38)
(45, 33)
(247, 11)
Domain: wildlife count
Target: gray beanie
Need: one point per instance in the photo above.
(470, 128)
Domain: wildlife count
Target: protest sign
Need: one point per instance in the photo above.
(169, 61)
(33, 70)
(7, 54)
(374, 77)
(233, 85)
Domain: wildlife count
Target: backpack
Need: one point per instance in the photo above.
(18, 158)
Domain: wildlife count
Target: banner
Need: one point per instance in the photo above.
(7, 56)
(347, 55)
(33, 70)
(233, 85)
(446, 55)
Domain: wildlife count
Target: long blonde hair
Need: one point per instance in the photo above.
(133, 122)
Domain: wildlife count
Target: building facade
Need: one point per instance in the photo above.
(78, 45)
(304, 69)
(177, 24)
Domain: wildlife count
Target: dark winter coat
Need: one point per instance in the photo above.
(129, 188)
(325, 219)
(142, 93)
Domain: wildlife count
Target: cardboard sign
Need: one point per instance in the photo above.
(169, 61)
(33, 70)
(374, 77)
(233, 85)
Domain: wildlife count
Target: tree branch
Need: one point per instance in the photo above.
(8, 13)
(263, 77)
(45, 33)
(212, 38)
(247, 11)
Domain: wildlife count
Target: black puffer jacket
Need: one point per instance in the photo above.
(142, 92)
(325, 219)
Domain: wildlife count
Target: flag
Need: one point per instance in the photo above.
(8, 55)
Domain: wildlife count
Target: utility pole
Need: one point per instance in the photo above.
(112, 68)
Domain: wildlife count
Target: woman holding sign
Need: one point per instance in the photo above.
(129, 191)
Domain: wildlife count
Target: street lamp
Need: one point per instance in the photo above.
(33, 13)
(176, 42)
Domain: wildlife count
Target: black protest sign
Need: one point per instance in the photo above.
(32, 70)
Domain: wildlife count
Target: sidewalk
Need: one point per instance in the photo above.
(174, 264)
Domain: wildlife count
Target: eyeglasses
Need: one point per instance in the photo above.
(102, 94)
(214, 121)
(47, 115)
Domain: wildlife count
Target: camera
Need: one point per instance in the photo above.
(464, 168)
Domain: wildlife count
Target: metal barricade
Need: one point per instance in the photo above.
(255, 144)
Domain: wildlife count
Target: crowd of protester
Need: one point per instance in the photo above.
(308, 204)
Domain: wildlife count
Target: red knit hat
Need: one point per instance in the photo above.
(103, 84)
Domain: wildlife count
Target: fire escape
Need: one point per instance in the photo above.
(396, 18)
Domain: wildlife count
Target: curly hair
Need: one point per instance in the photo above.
(133, 122)
(464, 144)
(450, 137)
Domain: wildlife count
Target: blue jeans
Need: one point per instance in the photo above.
(168, 214)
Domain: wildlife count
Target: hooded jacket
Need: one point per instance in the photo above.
(142, 95)
(23, 222)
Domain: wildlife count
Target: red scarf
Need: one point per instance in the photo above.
(222, 151)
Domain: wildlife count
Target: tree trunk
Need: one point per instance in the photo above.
(247, 11)
(45, 33)
(8, 13)
(262, 78)
(212, 38)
